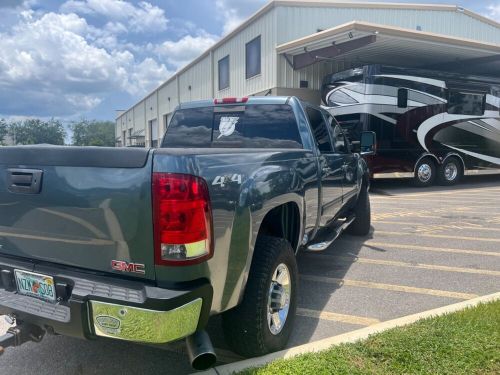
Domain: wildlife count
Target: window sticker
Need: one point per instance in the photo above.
(227, 126)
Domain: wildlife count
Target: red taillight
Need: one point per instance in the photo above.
(182, 219)
(231, 100)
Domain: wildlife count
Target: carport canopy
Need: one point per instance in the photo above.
(360, 43)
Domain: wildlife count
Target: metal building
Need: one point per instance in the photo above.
(288, 46)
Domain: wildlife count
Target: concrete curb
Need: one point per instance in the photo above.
(348, 337)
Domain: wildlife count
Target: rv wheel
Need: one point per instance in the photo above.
(451, 171)
(425, 172)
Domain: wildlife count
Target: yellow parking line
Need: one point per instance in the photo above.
(382, 262)
(433, 199)
(439, 226)
(429, 248)
(463, 238)
(326, 315)
(391, 287)
(458, 203)
(455, 192)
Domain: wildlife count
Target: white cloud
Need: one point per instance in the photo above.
(53, 64)
(144, 17)
(494, 12)
(183, 51)
(234, 12)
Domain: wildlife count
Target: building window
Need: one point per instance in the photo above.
(224, 73)
(253, 57)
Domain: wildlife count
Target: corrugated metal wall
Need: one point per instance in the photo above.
(296, 22)
(235, 48)
(195, 83)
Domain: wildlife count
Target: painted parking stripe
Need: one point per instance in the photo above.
(398, 199)
(429, 248)
(455, 192)
(390, 287)
(326, 315)
(463, 238)
(393, 263)
(431, 226)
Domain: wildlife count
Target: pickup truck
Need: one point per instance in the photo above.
(145, 245)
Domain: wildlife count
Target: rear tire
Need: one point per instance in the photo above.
(451, 171)
(425, 173)
(247, 327)
(361, 224)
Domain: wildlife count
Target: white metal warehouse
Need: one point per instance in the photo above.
(288, 46)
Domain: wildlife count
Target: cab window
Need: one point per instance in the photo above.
(319, 129)
(339, 140)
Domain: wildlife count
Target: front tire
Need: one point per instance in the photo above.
(425, 173)
(450, 172)
(361, 224)
(263, 322)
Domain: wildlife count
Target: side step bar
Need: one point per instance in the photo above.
(331, 236)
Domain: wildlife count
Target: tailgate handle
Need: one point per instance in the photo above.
(24, 181)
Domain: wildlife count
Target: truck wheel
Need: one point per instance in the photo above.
(361, 224)
(262, 323)
(425, 173)
(450, 172)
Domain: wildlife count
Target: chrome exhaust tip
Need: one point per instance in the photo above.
(200, 351)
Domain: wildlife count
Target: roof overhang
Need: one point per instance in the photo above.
(360, 43)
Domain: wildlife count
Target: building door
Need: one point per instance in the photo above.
(153, 130)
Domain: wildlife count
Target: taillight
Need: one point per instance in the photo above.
(231, 100)
(182, 219)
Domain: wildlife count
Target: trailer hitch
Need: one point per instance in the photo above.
(20, 334)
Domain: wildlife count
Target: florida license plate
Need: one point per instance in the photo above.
(35, 285)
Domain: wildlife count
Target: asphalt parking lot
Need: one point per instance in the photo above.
(428, 248)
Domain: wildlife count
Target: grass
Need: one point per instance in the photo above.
(465, 342)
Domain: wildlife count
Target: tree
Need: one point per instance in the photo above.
(36, 131)
(3, 130)
(93, 133)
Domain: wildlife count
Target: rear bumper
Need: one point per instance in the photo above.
(89, 306)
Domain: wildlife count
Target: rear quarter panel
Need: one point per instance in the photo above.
(268, 178)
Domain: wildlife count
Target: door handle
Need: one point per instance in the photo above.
(24, 181)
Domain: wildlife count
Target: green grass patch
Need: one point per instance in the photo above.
(465, 342)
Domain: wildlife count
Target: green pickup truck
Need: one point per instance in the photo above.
(145, 245)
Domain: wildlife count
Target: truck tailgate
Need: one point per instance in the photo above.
(92, 207)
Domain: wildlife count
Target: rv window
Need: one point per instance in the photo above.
(402, 98)
(464, 103)
(338, 97)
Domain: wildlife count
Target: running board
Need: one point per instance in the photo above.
(331, 237)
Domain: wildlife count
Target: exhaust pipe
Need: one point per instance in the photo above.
(200, 350)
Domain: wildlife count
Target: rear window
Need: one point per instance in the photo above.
(250, 126)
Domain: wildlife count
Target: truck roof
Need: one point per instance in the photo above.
(251, 100)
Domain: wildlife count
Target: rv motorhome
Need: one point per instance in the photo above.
(430, 125)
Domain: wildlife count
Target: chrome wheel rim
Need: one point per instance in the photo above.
(424, 172)
(450, 171)
(278, 303)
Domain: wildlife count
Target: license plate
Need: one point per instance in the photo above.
(35, 285)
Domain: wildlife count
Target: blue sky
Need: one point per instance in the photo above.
(75, 58)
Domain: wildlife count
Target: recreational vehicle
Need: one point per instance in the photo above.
(432, 126)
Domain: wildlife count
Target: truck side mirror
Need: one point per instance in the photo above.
(368, 142)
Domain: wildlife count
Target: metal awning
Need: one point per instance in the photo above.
(138, 134)
(360, 43)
